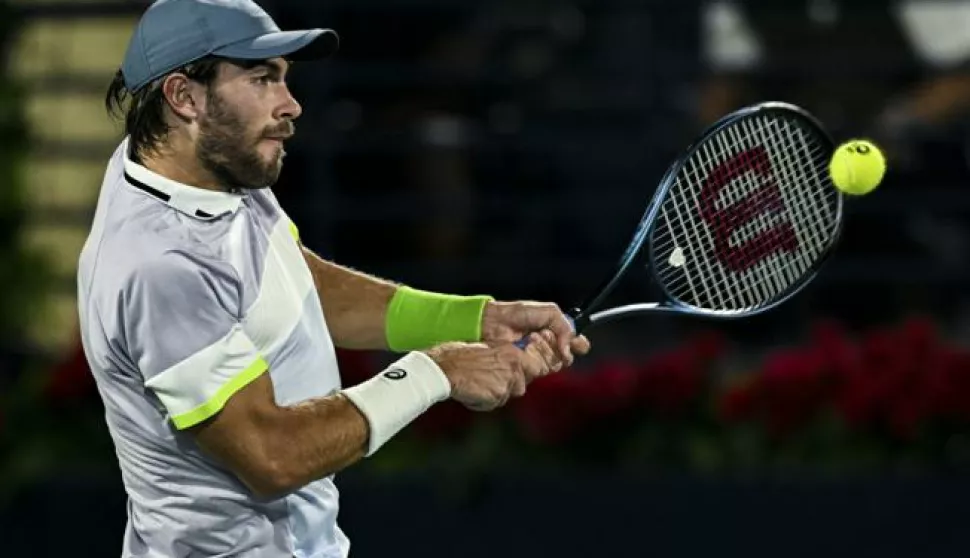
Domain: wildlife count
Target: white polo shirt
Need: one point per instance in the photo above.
(185, 296)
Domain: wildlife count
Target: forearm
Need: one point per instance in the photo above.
(366, 312)
(314, 439)
(275, 449)
(354, 303)
(322, 436)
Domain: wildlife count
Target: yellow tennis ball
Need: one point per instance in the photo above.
(857, 167)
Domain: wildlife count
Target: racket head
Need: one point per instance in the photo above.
(745, 218)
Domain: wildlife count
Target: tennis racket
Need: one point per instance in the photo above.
(739, 224)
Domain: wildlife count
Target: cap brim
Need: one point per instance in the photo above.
(307, 44)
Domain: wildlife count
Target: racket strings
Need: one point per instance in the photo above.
(768, 280)
(749, 215)
(813, 235)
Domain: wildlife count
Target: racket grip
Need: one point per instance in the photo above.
(524, 342)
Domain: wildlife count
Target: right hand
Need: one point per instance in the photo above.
(484, 377)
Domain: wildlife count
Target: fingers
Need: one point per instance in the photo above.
(522, 366)
(517, 386)
(580, 345)
(563, 330)
(539, 357)
(550, 353)
(518, 318)
(567, 344)
(491, 374)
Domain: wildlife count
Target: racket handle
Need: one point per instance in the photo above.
(522, 343)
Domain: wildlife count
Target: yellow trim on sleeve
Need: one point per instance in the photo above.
(294, 231)
(218, 401)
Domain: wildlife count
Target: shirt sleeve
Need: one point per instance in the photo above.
(184, 335)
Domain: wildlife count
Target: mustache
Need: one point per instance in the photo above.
(284, 129)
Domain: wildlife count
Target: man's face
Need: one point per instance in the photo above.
(248, 113)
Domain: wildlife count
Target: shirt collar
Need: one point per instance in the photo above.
(191, 200)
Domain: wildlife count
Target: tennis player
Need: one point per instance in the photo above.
(211, 330)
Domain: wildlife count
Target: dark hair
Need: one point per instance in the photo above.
(144, 109)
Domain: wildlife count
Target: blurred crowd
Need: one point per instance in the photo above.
(509, 147)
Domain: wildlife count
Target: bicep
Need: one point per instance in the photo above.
(274, 449)
(236, 435)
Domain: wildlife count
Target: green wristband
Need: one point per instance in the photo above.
(419, 319)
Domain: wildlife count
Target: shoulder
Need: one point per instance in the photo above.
(180, 277)
(145, 240)
(176, 264)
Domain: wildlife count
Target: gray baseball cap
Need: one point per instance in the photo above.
(173, 33)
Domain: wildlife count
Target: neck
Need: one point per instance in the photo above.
(181, 166)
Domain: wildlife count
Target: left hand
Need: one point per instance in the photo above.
(510, 321)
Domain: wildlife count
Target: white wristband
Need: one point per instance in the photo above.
(398, 395)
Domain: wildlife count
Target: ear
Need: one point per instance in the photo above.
(183, 96)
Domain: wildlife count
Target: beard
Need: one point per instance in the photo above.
(229, 152)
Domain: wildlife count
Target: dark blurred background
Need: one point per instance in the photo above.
(508, 147)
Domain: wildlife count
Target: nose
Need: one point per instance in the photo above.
(290, 109)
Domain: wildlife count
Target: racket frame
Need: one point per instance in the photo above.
(584, 315)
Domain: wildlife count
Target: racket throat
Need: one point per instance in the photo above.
(581, 320)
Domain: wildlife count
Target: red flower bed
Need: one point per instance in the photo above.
(893, 379)
(891, 386)
(669, 384)
(896, 385)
